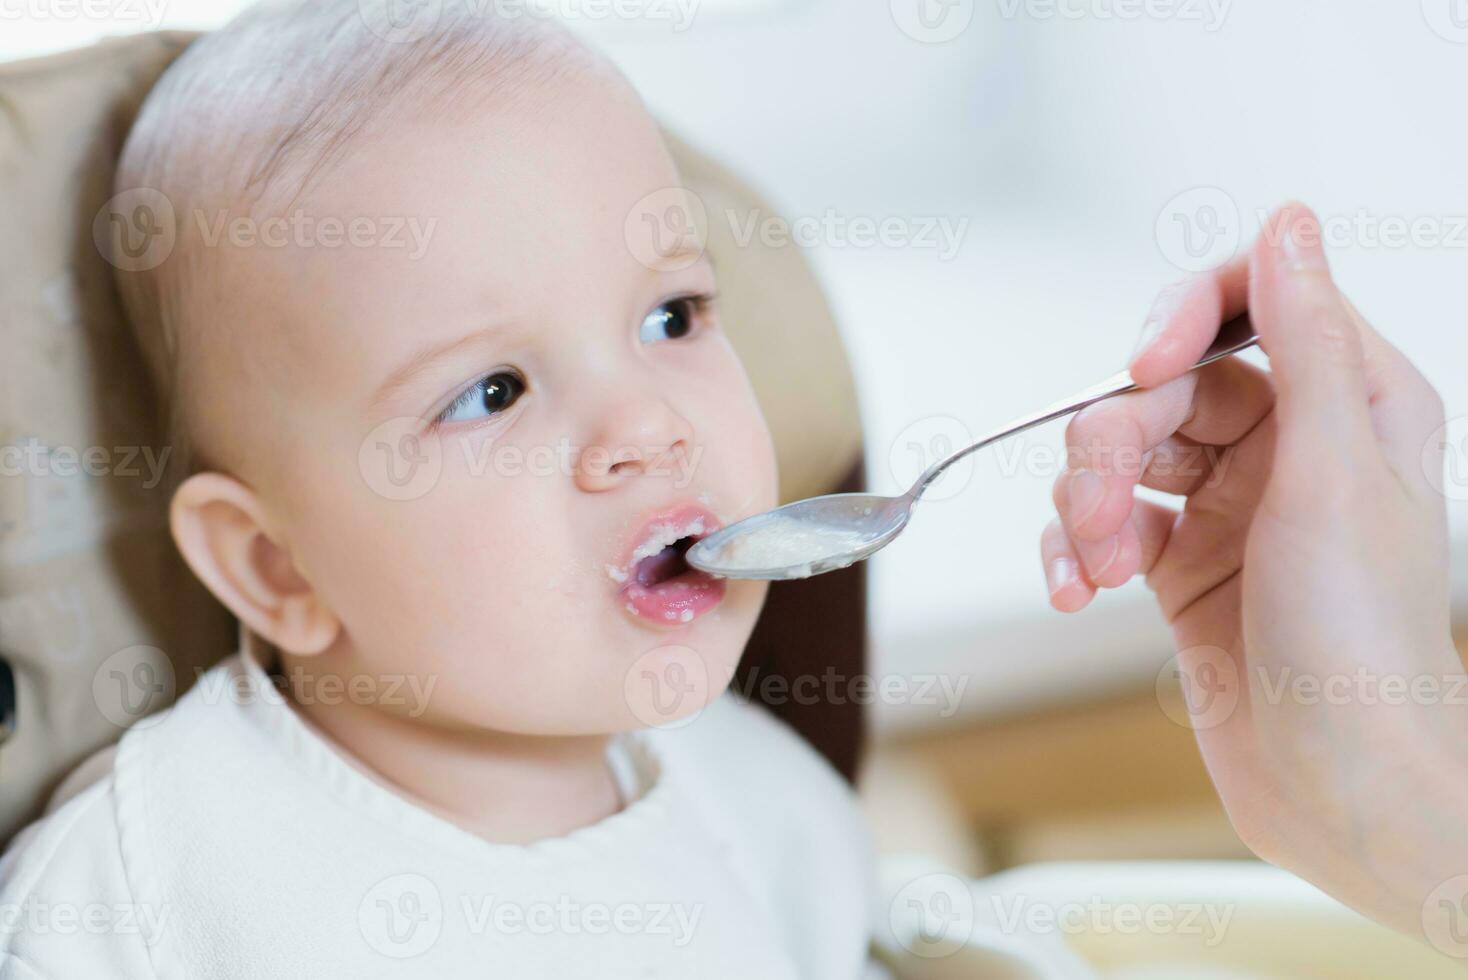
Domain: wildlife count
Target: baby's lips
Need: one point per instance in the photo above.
(675, 602)
(660, 529)
(649, 592)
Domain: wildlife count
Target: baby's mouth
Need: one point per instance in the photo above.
(658, 584)
(664, 566)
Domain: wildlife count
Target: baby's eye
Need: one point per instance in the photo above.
(488, 396)
(671, 320)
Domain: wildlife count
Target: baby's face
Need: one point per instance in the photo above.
(473, 450)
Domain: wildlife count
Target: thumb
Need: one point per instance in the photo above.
(1314, 346)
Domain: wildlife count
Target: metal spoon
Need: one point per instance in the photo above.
(822, 534)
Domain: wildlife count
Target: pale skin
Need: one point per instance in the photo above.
(1316, 546)
(493, 584)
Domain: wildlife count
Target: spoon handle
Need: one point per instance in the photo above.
(1234, 336)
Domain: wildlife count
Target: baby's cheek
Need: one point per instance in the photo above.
(735, 438)
(746, 456)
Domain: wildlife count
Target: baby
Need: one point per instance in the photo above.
(477, 724)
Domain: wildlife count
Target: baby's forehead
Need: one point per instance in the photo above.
(365, 173)
(255, 111)
(431, 221)
(280, 149)
(551, 176)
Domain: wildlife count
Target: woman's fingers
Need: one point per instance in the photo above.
(1105, 446)
(1321, 349)
(1111, 562)
(1070, 590)
(1180, 465)
(1154, 523)
(1231, 397)
(1115, 444)
(1206, 543)
(1184, 320)
(1206, 538)
(1316, 350)
(1075, 571)
(1345, 394)
(1218, 435)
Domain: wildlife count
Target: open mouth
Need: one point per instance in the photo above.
(657, 582)
(666, 565)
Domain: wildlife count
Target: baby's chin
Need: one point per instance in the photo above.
(671, 673)
(604, 676)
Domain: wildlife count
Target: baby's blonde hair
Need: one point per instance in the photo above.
(250, 116)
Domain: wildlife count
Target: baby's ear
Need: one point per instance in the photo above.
(219, 525)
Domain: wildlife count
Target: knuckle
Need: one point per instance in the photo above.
(1322, 320)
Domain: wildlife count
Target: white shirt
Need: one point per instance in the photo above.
(228, 838)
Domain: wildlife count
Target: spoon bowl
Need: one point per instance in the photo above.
(805, 538)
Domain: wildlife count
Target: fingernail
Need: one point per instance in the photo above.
(1085, 491)
(1061, 573)
(1301, 243)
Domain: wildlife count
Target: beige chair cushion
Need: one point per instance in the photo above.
(99, 617)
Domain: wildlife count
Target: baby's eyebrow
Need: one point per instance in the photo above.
(678, 258)
(421, 360)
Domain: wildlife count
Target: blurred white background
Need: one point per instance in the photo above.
(1080, 154)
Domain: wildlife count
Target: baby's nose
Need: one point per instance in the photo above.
(637, 438)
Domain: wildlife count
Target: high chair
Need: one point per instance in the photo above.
(101, 622)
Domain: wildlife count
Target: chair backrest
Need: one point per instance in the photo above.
(100, 619)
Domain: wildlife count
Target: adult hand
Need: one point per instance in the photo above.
(1310, 555)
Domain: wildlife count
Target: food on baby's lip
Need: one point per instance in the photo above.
(656, 582)
(785, 542)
